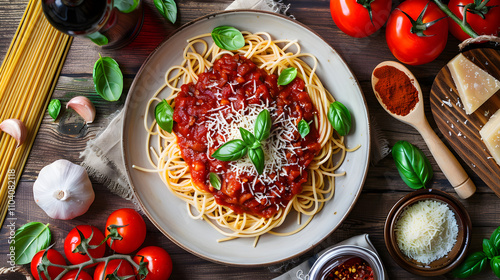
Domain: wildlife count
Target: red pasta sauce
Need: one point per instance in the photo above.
(237, 82)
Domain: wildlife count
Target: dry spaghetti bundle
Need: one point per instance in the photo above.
(28, 76)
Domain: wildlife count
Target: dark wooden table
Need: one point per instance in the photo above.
(383, 185)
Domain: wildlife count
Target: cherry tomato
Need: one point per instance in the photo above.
(130, 229)
(54, 257)
(71, 275)
(354, 19)
(124, 270)
(159, 262)
(73, 240)
(490, 25)
(408, 47)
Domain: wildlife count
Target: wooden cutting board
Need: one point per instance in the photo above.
(462, 130)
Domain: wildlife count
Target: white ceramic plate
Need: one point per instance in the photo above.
(168, 213)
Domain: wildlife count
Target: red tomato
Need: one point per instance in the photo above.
(130, 227)
(353, 18)
(490, 25)
(54, 257)
(124, 270)
(71, 275)
(159, 262)
(408, 47)
(73, 240)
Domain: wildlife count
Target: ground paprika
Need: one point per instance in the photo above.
(396, 90)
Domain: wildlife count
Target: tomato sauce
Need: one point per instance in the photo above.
(353, 269)
(237, 82)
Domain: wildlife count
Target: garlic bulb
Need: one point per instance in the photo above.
(63, 190)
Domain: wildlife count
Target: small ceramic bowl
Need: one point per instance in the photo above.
(337, 255)
(439, 266)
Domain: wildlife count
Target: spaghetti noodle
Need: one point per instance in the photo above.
(165, 156)
(28, 76)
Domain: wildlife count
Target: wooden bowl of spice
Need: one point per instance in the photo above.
(427, 232)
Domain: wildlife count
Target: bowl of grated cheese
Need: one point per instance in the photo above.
(427, 232)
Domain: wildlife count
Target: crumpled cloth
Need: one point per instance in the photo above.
(103, 157)
(301, 272)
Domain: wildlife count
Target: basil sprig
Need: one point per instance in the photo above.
(215, 180)
(29, 240)
(98, 38)
(108, 78)
(126, 6)
(287, 76)
(413, 166)
(251, 143)
(303, 128)
(54, 108)
(167, 8)
(164, 115)
(228, 38)
(340, 118)
(477, 261)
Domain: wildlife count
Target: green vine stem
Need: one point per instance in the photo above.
(463, 24)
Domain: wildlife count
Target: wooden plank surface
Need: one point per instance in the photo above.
(462, 130)
(383, 185)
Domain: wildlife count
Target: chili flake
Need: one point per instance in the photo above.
(352, 269)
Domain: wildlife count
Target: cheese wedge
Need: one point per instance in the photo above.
(490, 133)
(475, 86)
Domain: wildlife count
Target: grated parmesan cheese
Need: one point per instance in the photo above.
(426, 231)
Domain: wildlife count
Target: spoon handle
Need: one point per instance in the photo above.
(450, 166)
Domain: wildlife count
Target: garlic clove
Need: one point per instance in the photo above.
(83, 106)
(16, 129)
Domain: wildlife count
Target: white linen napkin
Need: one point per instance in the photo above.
(103, 157)
(301, 271)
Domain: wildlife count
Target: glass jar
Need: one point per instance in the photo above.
(338, 255)
(109, 23)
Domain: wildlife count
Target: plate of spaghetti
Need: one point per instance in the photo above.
(287, 190)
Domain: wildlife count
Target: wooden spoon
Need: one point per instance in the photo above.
(451, 168)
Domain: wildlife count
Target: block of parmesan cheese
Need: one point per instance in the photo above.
(490, 133)
(475, 86)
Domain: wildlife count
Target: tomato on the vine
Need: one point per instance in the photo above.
(127, 229)
(54, 257)
(420, 40)
(72, 275)
(125, 269)
(353, 16)
(73, 241)
(159, 262)
(490, 25)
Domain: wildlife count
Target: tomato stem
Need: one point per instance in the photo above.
(463, 24)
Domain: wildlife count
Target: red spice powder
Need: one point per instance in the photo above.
(396, 90)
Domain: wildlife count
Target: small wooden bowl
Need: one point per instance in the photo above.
(439, 266)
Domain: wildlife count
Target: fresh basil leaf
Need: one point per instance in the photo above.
(495, 239)
(215, 180)
(126, 6)
(98, 38)
(29, 240)
(495, 265)
(228, 38)
(263, 124)
(164, 115)
(167, 8)
(489, 249)
(232, 150)
(54, 108)
(473, 264)
(303, 128)
(257, 158)
(340, 118)
(287, 76)
(248, 137)
(413, 166)
(108, 78)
